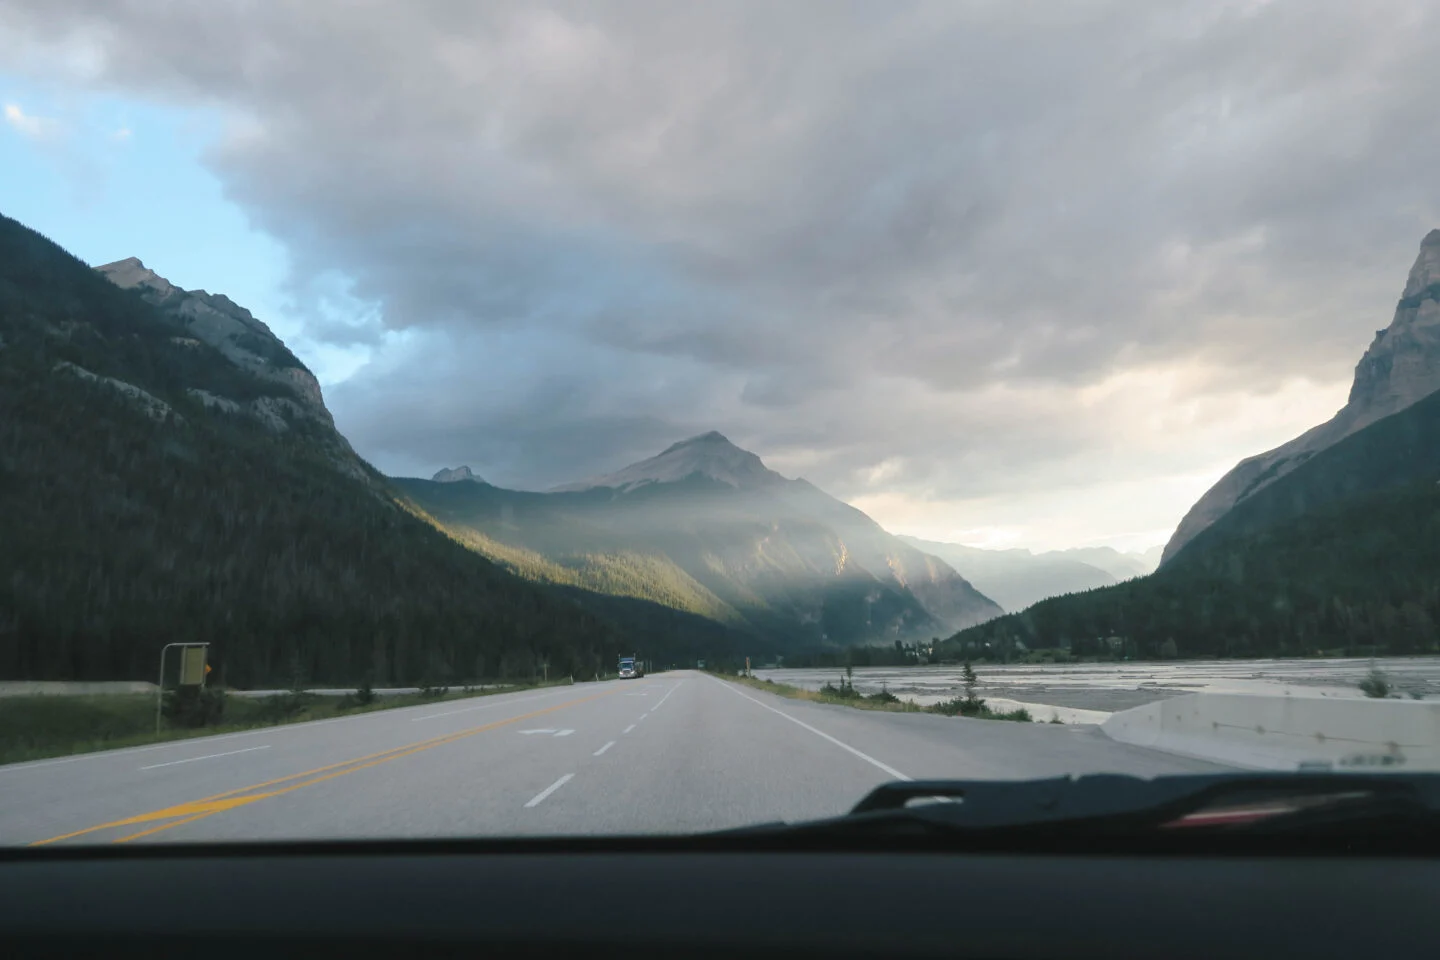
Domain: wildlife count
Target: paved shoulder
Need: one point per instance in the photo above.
(924, 746)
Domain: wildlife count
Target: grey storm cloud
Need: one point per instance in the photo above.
(841, 232)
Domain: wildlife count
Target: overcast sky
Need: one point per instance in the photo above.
(1004, 273)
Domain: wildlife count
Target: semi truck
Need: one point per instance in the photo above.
(631, 667)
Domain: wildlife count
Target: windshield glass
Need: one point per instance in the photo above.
(493, 419)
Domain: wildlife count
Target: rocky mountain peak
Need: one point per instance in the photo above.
(455, 475)
(217, 320)
(1401, 367)
(1402, 364)
(710, 455)
(131, 273)
(713, 437)
(1425, 274)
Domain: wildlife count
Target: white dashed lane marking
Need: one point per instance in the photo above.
(539, 798)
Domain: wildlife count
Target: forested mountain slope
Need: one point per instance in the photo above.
(706, 528)
(147, 497)
(1341, 553)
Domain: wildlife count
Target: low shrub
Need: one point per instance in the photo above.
(194, 706)
(281, 707)
(1375, 684)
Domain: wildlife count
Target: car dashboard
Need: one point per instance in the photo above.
(680, 897)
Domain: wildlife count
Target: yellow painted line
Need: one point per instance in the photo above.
(215, 803)
(193, 810)
(164, 826)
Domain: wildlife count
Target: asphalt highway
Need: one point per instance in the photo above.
(671, 753)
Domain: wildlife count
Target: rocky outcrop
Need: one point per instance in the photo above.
(275, 412)
(214, 402)
(151, 405)
(1401, 367)
(228, 327)
(454, 475)
(214, 320)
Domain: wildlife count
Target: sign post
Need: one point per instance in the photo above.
(193, 670)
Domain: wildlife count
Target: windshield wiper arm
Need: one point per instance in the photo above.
(1119, 803)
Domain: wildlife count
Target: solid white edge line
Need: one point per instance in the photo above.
(211, 756)
(540, 797)
(604, 748)
(629, 728)
(819, 733)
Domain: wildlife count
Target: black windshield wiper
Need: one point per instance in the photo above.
(1111, 805)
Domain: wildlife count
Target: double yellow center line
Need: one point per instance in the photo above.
(182, 813)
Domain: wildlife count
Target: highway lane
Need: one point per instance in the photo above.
(675, 752)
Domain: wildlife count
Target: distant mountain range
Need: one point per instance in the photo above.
(169, 471)
(1017, 578)
(1122, 565)
(1328, 543)
(706, 527)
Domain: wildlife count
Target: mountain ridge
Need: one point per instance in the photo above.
(233, 330)
(143, 501)
(1341, 555)
(295, 403)
(1017, 578)
(726, 534)
(1400, 367)
(1332, 547)
(710, 455)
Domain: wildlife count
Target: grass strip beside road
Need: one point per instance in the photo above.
(42, 726)
(882, 701)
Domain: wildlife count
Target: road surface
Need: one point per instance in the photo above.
(674, 752)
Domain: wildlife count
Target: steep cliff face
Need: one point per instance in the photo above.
(1403, 363)
(249, 344)
(145, 499)
(228, 327)
(1401, 367)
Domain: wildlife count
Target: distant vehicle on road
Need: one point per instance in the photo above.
(631, 667)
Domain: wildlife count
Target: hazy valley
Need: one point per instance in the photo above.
(166, 452)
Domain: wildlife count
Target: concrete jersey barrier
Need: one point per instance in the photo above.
(1287, 732)
(67, 688)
